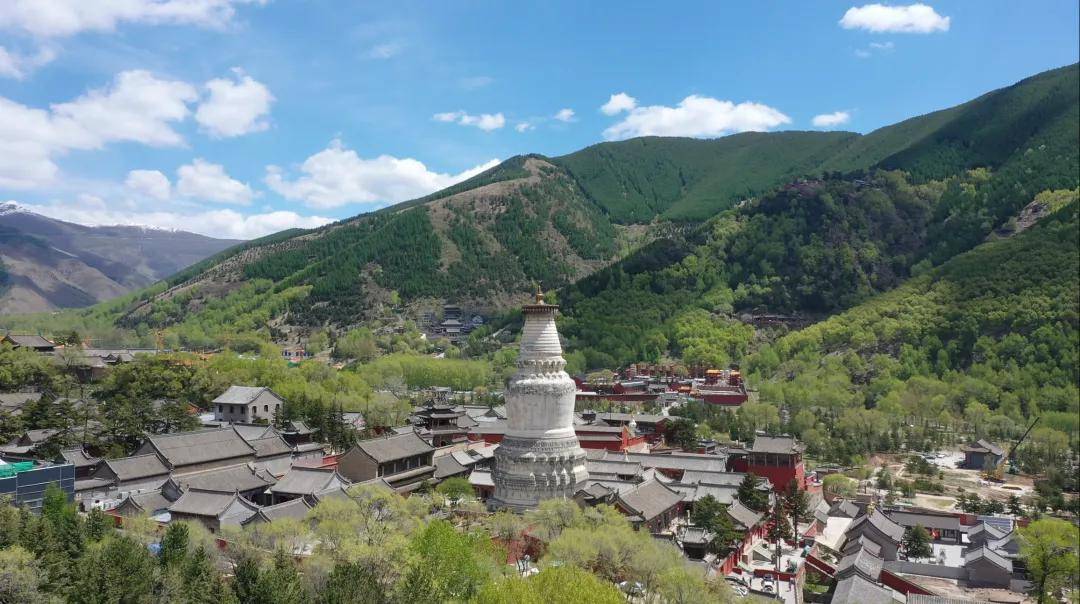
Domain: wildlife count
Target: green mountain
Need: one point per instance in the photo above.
(641, 232)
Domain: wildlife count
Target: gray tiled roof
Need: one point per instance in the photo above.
(250, 432)
(844, 508)
(882, 523)
(930, 521)
(611, 466)
(677, 461)
(148, 502)
(240, 395)
(914, 598)
(858, 590)
(17, 400)
(985, 446)
(40, 435)
(79, 458)
(200, 446)
(296, 509)
(447, 465)
(270, 446)
(226, 480)
(306, 481)
(986, 532)
(860, 561)
(987, 554)
(399, 446)
(861, 542)
(207, 503)
(136, 467)
(713, 478)
(626, 417)
(650, 499)
(29, 341)
(743, 515)
(775, 444)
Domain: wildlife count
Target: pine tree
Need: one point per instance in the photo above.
(751, 496)
(174, 545)
(796, 504)
(917, 542)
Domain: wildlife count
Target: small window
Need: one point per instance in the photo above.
(266, 408)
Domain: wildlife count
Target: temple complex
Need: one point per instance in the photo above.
(539, 457)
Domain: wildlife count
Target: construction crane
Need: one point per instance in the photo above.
(998, 473)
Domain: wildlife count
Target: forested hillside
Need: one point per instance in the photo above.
(652, 239)
(991, 334)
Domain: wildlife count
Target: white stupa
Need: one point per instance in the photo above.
(539, 457)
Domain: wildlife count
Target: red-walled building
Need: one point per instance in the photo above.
(721, 388)
(777, 458)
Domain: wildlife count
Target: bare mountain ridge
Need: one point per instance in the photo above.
(49, 264)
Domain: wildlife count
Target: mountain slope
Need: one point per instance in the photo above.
(476, 244)
(810, 222)
(692, 179)
(50, 264)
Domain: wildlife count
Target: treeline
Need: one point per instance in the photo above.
(373, 547)
(977, 347)
(154, 394)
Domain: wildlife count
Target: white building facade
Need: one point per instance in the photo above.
(539, 457)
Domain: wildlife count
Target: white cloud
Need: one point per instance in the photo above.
(475, 82)
(524, 127)
(57, 18)
(205, 181)
(149, 183)
(831, 120)
(384, 51)
(18, 66)
(135, 107)
(224, 223)
(337, 176)
(485, 121)
(565, 115)
(881, 18)
(618, 103)
(882, 45)
(697, 116)
(234, 107)
(138, 107)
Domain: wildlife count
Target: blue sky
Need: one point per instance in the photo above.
(238, 118)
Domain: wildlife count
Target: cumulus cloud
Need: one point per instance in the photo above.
(618, 103)
(524, 127)
(472, 83)
(384, 51)
(234, 106)
(485, 121)
(58, 18)
(831, 120)
(205, 181)
(149, 183)
(138, 107)
(337, 176)
(565, 115)
(135, 107)
(908, 19)
(17, 65)
(223, 223)
(698, 116)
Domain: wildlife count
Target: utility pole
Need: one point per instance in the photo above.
(777, 518)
